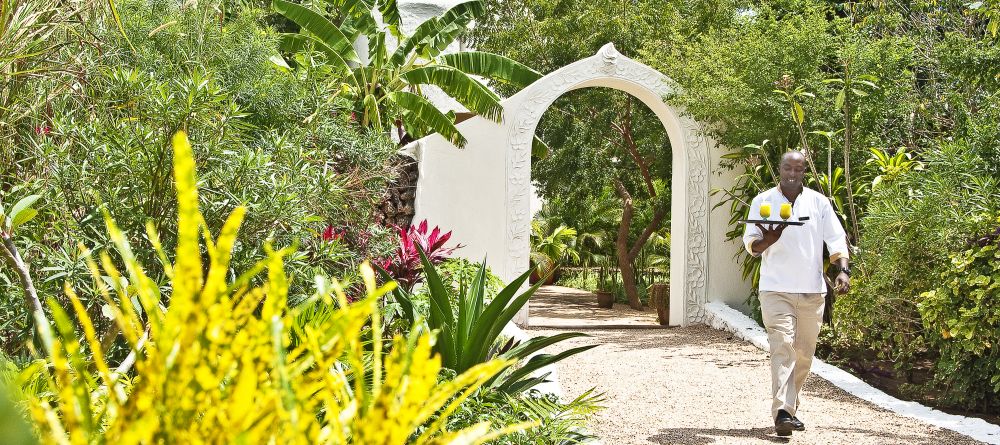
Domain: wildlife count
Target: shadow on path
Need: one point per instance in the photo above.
(701, 436)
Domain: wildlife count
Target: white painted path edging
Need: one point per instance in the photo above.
(722, 317)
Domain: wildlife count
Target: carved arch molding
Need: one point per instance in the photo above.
(690, 147)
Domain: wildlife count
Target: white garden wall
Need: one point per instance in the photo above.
(482, 192)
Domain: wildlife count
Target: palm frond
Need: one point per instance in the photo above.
(331, 37)
(436, 33)
(390, 13)
(539, 149)
(426, 114)
(466, 90)
(492, 66)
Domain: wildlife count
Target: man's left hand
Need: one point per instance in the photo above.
(843, 283)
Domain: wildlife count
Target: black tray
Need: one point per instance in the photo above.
(771, 222)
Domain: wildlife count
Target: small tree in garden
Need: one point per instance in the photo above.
(385, 90)
(551, 247)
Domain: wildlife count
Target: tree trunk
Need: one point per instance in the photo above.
(626, 254)
(13, 257)
(848, 136)
(397, 205)
(621, 248)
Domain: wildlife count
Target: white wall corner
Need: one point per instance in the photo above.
(412, 150)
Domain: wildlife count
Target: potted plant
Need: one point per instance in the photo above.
(659, 298)
(605, 299)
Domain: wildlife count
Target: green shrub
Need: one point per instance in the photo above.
(214, 365)
(456, 272)
(914, 224)
(266, 140)
(557, 422)
(962, 318)
(578, 279)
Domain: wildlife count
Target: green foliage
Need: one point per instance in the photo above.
(468, 333)
(214, 364)
(13, 427)
(962, 319)
(556, 422)
(728, 70)
(20, 213)
(458, 272)
(266, 140)
(550, 249)
(578, 279)
(385, 89)
(29, 33)
(913, 224)
(891, 167)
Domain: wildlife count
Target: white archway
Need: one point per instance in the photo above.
(483, 191)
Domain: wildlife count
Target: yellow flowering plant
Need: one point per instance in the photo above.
(216, 363)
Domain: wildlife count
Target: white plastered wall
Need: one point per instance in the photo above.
(482, 192)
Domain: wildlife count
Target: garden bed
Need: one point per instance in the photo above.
(880, 374)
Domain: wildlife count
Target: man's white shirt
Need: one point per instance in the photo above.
(795, 263)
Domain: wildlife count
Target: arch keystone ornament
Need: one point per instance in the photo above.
(483, 192)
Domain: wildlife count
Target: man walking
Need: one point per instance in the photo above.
(792, 286)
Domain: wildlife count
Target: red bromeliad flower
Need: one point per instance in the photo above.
(405, 266)
(330, 234)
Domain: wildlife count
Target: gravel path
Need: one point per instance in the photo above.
(697, 385)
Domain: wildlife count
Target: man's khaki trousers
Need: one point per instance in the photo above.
(792, 321)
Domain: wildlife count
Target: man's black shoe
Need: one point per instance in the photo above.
(783, 424)
(797, 424)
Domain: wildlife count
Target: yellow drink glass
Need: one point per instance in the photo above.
(765, 210)
(786, 211)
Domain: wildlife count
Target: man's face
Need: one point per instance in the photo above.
(793, 170)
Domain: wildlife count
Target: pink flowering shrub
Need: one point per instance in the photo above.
(331, 233)
(404, 266)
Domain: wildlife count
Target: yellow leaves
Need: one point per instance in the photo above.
(217, 365)
(221, 254)
(187, 271)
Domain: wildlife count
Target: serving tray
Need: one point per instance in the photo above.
(776, 222)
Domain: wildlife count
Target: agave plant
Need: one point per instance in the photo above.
(215, 364)
(405, 267)
(469, 327)
(387, 88)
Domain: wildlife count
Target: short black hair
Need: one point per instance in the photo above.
(792, 154)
